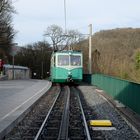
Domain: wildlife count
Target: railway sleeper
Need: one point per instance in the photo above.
(31, 131)
(53, 132)
(28, 137)
(56, 112)
(52, 124)
(77, 138)
(51, 128)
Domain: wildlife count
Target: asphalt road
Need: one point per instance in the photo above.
(15, 93)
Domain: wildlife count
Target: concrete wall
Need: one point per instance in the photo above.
(125, 91)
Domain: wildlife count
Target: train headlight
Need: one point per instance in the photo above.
(69, 73)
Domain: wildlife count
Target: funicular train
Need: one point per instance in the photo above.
(66, 66)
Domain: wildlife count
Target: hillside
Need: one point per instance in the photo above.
(116, 52)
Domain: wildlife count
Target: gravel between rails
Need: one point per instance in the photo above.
(104, 110)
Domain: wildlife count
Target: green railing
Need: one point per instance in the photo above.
(125, 91)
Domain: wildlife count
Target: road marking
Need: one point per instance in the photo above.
(21, 104)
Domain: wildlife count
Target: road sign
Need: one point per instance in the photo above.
(14, 50)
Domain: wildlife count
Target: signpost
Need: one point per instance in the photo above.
(13, 53)
(1, 66)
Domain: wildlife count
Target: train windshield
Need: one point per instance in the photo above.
(75, 60)
(63, 60)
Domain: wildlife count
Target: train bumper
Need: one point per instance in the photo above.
(69, 79)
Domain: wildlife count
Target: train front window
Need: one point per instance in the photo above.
(63, 60)
(75, 60)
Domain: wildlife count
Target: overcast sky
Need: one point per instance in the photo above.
(34, 16)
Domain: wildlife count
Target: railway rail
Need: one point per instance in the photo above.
(29, 126)
(64, 119)
(64, 114)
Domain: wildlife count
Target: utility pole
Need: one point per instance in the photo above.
(90, 48)
(65, 16)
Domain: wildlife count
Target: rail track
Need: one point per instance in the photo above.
(66, 119)
(29, 126)
(62, 114)
(61, 119)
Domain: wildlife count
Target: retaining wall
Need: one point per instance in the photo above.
(125, 91)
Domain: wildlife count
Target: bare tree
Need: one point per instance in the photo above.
(6, 28)
(72, 37)
(61, 40)
(56, 35)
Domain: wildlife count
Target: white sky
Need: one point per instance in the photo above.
(34, 16)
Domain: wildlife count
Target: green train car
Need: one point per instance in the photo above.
(66, 66)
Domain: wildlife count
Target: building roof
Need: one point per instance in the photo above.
(15, 67)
